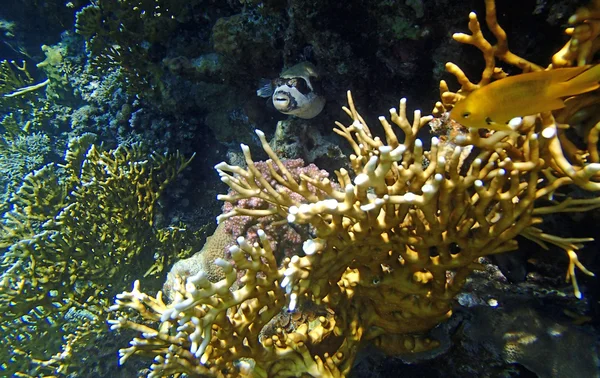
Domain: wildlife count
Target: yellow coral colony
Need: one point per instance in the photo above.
(564, 162)
(391, 248)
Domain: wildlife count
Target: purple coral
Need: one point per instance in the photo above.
(286, 239)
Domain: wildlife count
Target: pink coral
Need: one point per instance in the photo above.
(285, 239)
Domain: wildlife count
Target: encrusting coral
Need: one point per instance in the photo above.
(393, 241)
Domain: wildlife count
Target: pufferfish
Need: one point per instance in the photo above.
(295, 92)
(494, 105)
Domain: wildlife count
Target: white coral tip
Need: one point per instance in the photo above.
(368, 207)
(385, 149)
(222, 263)
(304, 208)
(293, 302)
(361, 179)
(515, 123)
(330, 204)
(427, 188)
(549, 132)
(311, 246)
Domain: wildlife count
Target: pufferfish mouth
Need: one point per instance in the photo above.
(282, 101)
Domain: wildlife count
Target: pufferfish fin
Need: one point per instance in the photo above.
(265, 88)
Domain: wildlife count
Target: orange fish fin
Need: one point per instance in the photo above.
(551, 104)
(561, 75)
(585, 81)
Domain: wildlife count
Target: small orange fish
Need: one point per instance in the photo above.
(494, 105)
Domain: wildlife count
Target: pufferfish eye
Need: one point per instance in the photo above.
(466, 114)
(302, 86)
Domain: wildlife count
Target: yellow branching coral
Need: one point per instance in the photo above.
(13, 76)
(584, 42)
(394, 241)
(565, 161)
(390, 252)
(71, 236)
(16, 81)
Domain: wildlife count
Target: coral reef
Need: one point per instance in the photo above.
(329, 265)
(202, 261)
(19, 155)
(12, 77)
(286, 239)
(390, 252)
(526, 335)
(72, 234)
(393, 241)
(32, 113)
(295, 138)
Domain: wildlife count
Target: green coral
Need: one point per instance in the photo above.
(73, 235)
(13, 76)
(400, 27)
(57, 70)
(17, 88)
(24, 114)
(399, 20)
(124, 35)
(21, 155)
(247, 40)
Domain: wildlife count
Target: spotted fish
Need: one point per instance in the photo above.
(295, 91)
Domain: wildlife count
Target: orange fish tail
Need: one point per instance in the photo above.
(586, 81)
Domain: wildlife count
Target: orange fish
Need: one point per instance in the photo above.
(494, 105)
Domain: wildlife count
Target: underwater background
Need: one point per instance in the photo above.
(113, 114)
